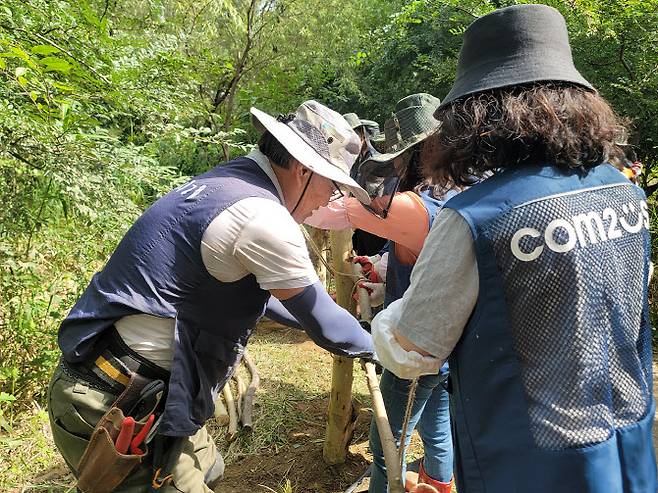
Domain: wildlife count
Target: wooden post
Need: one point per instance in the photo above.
(393, 466)
(364, 299)
(391, 452)
(341, 416)
(319, 238)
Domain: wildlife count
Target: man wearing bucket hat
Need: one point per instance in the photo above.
(363, 242)
(160, 330)
(550, 348)
(413, 204)
(364, 128)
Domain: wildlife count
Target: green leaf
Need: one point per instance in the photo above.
(63, 87)
(44, 49)
(3, 64)
(55, 64)
(22, 81)
(5, 397)
(64, 109)
(19, 53)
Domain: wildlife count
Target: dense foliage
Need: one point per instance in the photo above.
(106, 104)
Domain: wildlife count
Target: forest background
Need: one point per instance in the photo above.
(107, 104)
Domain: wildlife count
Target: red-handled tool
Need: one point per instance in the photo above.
(139, 438)
(125, 435)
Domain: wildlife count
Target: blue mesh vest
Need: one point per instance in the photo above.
(398, 275)
(157, 269)
(552, 379)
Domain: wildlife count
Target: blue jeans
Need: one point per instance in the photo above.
(430, 414)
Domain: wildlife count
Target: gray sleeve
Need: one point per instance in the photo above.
(444, 287)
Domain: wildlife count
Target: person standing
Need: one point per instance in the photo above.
(364, 243)
(403, 215)
(550, 348)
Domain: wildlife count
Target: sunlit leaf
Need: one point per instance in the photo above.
(44, 49)
(55, 64)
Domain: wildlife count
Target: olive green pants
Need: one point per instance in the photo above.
(74, 409)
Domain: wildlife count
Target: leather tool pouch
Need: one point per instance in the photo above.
(102, 468)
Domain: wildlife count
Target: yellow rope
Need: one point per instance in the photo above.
(407, 417)
(319, 254)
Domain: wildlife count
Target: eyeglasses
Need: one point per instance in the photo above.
(337, 193)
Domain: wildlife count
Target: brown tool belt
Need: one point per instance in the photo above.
(140, 387)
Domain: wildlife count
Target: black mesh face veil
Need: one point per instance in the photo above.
(382, 180)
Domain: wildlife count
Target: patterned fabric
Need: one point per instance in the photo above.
(312, 136)
(582, 373)
(412, 122)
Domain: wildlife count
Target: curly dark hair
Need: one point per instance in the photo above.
(412, 178)
(555, 123)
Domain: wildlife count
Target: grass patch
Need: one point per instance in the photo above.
(30, 461)
(282, 454)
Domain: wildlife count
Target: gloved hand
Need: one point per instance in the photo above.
(381, 266)
(367, 267)
(372, 359)
(404, 364)
(376, 292)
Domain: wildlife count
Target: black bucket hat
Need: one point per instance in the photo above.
(511, 46)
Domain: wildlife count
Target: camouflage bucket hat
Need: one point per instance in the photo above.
(371, 126)
(411, 123)
(353, 119)
(320, 139)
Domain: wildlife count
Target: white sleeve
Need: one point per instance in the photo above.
(258, 236)
(444, 287)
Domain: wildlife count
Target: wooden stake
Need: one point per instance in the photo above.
(241, 388)
(341, 416)
(319, 239)
(364, 299)
(248, 405)
(221, 414)
(232, 414)
(393, 469)
(391, 452)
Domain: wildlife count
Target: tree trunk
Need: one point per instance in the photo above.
(341, 416)
(319, 237)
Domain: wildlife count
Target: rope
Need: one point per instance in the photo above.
(407, 417)
(414, 383)
(316, 249)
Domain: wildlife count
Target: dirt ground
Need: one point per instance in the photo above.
(284, 452)
(300, 463)
(297, 465)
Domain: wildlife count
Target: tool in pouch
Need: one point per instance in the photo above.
(114, 447)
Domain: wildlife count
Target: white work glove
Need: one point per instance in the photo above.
(402, 363)
(376, 291)
(381, 266)
(369, 268)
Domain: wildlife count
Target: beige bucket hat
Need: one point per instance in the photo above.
(320, 139)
